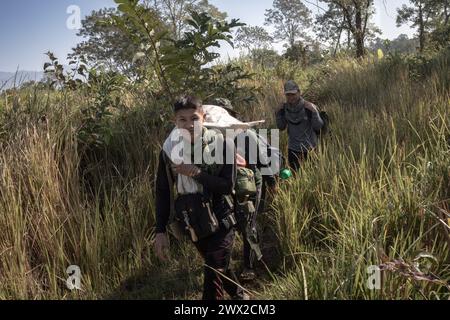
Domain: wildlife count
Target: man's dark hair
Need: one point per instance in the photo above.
(187, 102)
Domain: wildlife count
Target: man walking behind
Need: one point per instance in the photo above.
(302, 120)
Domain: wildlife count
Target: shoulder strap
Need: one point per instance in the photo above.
(309, 112)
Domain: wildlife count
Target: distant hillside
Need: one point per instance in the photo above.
(8, 79)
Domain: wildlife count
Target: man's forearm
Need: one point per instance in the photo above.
(281, 120)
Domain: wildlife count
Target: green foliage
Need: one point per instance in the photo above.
(401, 44)
(104, 44)
(228, 81)
(176, 13)
(429, 17)
(264, 57)
(304, 53)
(440, 37)
(59, 78)
(185, 65)
(188, 61)
(146, 30)
(103, 89)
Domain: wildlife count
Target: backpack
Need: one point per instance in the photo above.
(326, 123)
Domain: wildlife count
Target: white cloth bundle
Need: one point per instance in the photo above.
(218, 117)
(185, 184)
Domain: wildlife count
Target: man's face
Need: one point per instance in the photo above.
(292, 98)
(190, 120)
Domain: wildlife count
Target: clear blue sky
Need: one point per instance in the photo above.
(29, 28)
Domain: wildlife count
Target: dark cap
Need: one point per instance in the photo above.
(291, 87)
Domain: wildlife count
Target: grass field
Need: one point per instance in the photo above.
(376, 192)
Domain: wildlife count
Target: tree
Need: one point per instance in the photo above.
(176, 12)
(252, 38)
(104, 43)
(305, 52)
(442, 11)
(185, 61)
(290, 18)
(418, 16)
(183, 65)
(440, 34)
(330, 26)
(267, 58)
(401, 44)
(352, 16)
(430, 17)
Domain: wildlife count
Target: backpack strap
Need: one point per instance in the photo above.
(310, 114)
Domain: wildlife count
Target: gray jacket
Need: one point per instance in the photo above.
(301, 127)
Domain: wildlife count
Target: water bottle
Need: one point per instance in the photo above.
(285, 174)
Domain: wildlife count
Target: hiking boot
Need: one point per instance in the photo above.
(248, 275)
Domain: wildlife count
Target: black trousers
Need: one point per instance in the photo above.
(295, 158)
(216, 252)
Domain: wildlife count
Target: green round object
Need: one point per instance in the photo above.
(285, 174)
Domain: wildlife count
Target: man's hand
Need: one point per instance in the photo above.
(188, 170)
(161, 246)
(280, 109)
(312, 107)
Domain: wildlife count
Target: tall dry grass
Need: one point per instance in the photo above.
(375, 192)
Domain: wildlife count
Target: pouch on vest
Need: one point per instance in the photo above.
(194, 213)
(245, 183)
